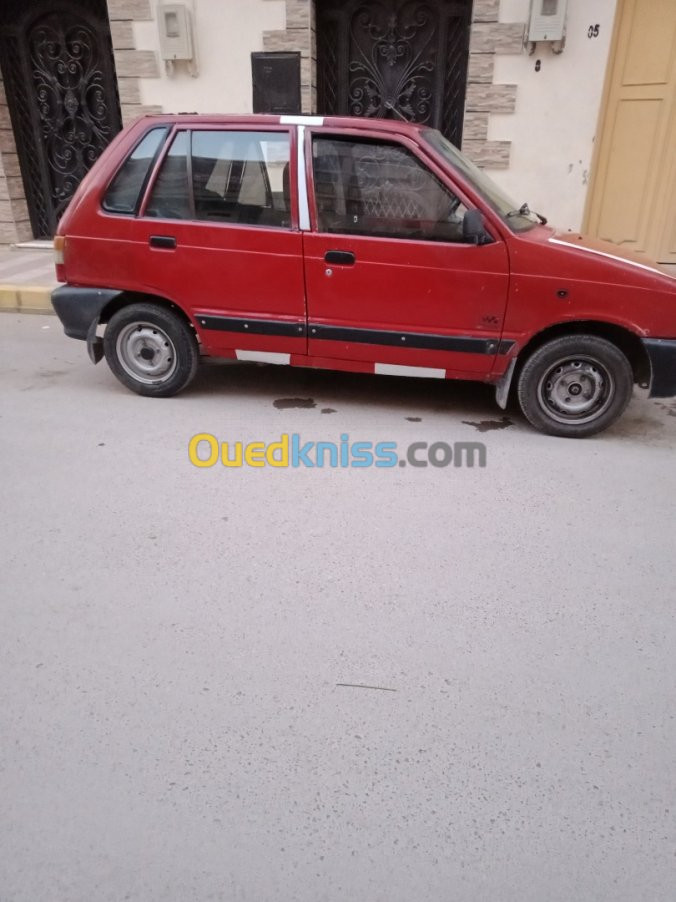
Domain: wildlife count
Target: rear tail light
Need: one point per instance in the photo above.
(60, 257)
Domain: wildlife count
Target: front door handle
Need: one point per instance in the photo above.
(343, 258)
(168, 242)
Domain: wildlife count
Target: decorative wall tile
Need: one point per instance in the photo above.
(498, 37)
(485, 10)
(490, 98)
(122, 34)
(475, 127)
(481, 66)
(488, 154)
(136, 63)
(138, 10)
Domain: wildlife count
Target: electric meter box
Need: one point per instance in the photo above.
(547, 20)
(175, 32)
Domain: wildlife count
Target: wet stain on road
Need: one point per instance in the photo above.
(286, 403)
(414, 419)
(489, 425)
(328, 410)
(669, 409)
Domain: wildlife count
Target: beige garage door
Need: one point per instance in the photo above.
(632, 199)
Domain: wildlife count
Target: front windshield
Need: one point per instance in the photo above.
(509, 212)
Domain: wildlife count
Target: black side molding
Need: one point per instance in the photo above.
(467, 344)
(78, 308)
(251, 325)
(662, 355)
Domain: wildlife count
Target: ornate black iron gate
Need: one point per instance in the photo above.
(57, 65)
(388, 57)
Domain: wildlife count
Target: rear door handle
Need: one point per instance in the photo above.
(166, 241)
(343, 258)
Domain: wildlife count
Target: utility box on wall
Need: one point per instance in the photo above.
(176, 39)
(547, 20)
(276, 83)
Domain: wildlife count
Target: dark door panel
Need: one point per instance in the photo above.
(57, 64)
(276, 83)
(394, 59)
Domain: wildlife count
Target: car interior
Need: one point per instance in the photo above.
(377, 189)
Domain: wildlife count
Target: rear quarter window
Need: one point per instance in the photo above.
(242, 177)
(123, 193)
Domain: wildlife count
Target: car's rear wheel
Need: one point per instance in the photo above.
(575, 386)
(151, 350)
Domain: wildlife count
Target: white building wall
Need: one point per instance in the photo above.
(226, 32)
(553, 128)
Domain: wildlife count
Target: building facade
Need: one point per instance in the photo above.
(584, 130)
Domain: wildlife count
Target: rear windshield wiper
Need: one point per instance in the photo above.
(525, 210)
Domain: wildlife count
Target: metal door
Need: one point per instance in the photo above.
(388, 58)
(59, 74)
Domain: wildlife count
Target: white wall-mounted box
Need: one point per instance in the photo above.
(547, 20)
(176, 39)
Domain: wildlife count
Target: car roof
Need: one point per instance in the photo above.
(393, 126)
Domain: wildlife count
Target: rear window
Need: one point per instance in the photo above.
(238, 177)
(124, 191)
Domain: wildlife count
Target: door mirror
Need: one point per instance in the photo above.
(473, 228)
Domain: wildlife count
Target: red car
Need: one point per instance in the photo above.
(350, 244)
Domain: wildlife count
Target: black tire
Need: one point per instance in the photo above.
(575, 386)
(151, 350)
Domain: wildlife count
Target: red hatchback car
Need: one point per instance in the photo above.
(350, 244)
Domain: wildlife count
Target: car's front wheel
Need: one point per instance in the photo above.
(151, 350)
(575, 386)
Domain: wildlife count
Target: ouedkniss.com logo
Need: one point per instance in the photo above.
(205, 451)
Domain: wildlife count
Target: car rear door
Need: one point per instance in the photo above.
(218, 234)
(389, 278)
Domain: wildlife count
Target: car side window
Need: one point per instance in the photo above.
(170, 197)
(380, 189)
(242, 177)
(124, 192)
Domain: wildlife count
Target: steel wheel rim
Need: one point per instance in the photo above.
(146, 353)
(576, 389)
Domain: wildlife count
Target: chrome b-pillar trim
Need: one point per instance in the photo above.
(303, 204)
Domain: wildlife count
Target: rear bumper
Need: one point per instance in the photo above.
(662, 355)
(80, 308)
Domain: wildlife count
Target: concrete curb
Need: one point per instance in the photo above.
(25, 298)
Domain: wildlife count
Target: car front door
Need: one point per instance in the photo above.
(389, 278)
(220, 237)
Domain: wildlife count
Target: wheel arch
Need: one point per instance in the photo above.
(127, 298)
(160, 361)
(625, 339)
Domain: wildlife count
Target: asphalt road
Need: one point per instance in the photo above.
(175, 642)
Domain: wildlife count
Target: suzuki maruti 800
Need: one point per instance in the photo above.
(350, 244)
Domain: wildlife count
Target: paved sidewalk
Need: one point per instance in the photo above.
(27, 279)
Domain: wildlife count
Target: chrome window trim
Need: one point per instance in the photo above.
(303, 203)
